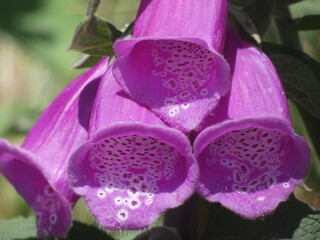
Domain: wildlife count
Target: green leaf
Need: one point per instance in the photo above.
(288, 2)
(81, 231)
(21, 228)
(309, 228)
(260, 12)
(239, 2)
(95, 36)
(279, 3)
(245, 21)
(18, 228)
(299, 74)
(92, 7)
(159, 233)
(87, 61)
(311, 22)
(223, 224)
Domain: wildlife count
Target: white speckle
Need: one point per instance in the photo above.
(38, 217)
(122, 214)
(53, 218)
(150, 195)
(155, 189)
(126, 201)
(118, 201)
(101, 194)
(163, 74)
(184, 94)
(193, 98)
(286, 185)
(204, 92)
(133, 194)
(185, 105)
(148, 201)
(170, 101)
(261, 198)
(134, 203)
(109, 189)
(155, 52)
(49, 191)
(174, 111)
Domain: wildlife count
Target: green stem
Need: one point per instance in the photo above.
(288, 35)
(189, 219)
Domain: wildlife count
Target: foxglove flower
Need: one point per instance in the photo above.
(249, 157)
(172, 64)
(133, 167)
(38, 169)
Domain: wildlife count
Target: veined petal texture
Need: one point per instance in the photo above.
(173, 65)
(133, 167)
(249, 157)
(38, 168)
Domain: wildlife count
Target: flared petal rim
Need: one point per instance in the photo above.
(237, 186)
(52, 209)
(111, 206)
(181, 91)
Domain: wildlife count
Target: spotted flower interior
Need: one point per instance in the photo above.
(248, 165)
(250, 159)
(183, 68)
(130, 170)
(174, 79)
(132, 179)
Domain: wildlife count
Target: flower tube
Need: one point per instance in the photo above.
(133, 167)
(38, 168)
(173, 64)
(249, 157)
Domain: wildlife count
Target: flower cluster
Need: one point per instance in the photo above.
(119, 134)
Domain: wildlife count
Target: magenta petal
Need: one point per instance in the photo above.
(134, 167)
(173, 64)
(180, 80)
(22, 169)
(205, 19)
(38, 168)
(249, 158)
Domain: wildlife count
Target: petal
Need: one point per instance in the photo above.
(64, 125)
(249, 157)
(22, 169)
(173, 64)
(250, 165)
(181, 80)
(205, 19)
(38, 168)
(134, 167)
